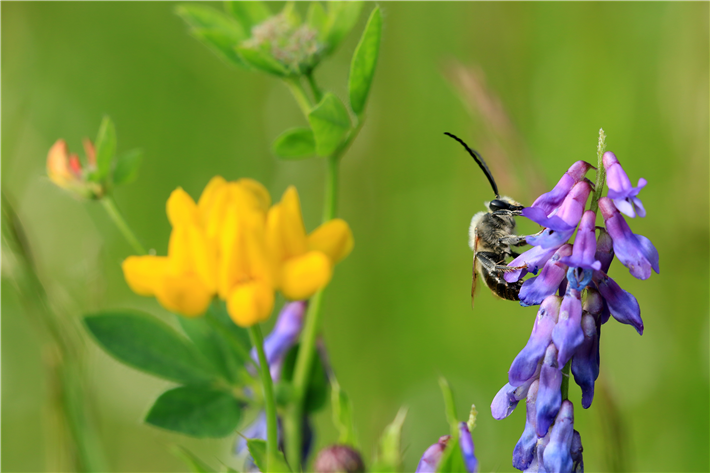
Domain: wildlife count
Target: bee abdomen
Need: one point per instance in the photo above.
(502, 288)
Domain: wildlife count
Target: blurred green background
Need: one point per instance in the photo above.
(528, 84)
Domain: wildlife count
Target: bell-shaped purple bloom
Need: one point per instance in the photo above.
(432, 456)
(524, 451)
(525, 364)
(531, 261)
(585, 364)
(536, 289)
(283, 337)
(505, 402)
(549, 201)
(605, 250)
(557, 456)
(559, 227)
(585, 245)
(467, 449)
(549, 396)
(576, 453)
(622, 305)
(636, 252)
(620, 189)
(567, 334)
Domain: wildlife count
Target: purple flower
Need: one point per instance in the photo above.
(525, 364)
(283, 337)
(636, 252)
(432, 456)
(551, 200)
(605, 250)
(524, 451)
(622, 305)
(531, 261)
(585, 245)
(536, 289)
(557, 456)
(467, 448)
(567, 334)
(620, 190)
(576, 452)
(585, 364)
(549, 396)
(505, 402)
(537, 465)
(560, 226)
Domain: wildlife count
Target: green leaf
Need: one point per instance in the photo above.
(248, 14)
(343, 415)
(215, 29)
(330, 122)
(105, 148)
(193, 461)
(364, 61)
(389, 449)
(127, 165)
(257, 450)
(196, 410)
(296, 143)
(261, 60)
(449, 405)
(316, 17)
(317, 391)
(342, 16)
(145, 343)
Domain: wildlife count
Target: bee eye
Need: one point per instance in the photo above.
(498, 205)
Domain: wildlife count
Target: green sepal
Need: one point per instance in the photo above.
(215, 29)
(330, 123)
(295, 143)
(362, 68)
(389, 449)
(317, 390)
(105, 149)
(248, 14)
(196, 410)
(127, 165)
(145, 343)
(342, 415)
(257, 450)
(193, 462)
(316, 16)
(342, 16)
(449, 406)
(261, 60)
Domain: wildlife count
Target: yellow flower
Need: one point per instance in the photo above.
(231, 244)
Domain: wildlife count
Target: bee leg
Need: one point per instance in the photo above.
(493, 274)
(491, 266)
(514, 240)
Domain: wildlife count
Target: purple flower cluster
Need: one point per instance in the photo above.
(568, 326)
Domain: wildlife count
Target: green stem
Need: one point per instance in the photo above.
(317, 94)
(272, 446)
(330, 207)
(564, 389)
(299, 93)
(115, 214)
(601, 173)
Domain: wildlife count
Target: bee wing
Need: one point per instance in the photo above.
(475, 273)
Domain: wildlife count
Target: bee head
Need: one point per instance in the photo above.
(504, 203)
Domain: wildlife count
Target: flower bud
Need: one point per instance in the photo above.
(585, 364)
(65, 171)
(338, 459)
(432, 456)
(550, 201)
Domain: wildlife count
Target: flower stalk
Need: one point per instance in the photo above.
(601, 172)
(257, 339)
(115, 215)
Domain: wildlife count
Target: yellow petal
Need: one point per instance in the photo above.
(250, 303)
(302, 276)
(258, 191)
(259, 264)
(334, 238)
(232, 263)
(288, 235)
(181, 209)
(207, 198)
(190, 252)
(185, 295)
(144, 274)
(179, 251)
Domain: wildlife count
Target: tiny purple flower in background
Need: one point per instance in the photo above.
(636, 252)
(283, 337)
(620, 190)
(432, 455)
(467, 448)
(551, 200)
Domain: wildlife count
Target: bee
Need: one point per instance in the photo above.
(491, 236)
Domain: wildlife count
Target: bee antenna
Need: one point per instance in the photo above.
(479, 159)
